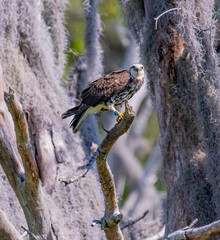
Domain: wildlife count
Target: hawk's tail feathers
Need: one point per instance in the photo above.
(70, 112)
(80, 113)
(78, 120)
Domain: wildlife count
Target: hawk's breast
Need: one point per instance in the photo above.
(129, 90)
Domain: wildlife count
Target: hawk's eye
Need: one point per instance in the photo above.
(142, 67)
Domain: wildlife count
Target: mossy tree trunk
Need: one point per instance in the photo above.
(184, 81)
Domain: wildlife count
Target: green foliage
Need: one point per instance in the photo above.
(110, 17)
(160, 186)
(109, 10)
(152, 129)
(76, 26)
(151, 133)
(76, 31)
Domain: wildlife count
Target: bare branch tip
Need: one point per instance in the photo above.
(95, 222)
(105, 130)
(118, 217)
(132, 222)
(8, 96)
(67, 182)
(27, 231)
(193, 223)
(163, 13)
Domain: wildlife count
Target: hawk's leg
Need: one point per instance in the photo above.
(120, 115)
(116, 112)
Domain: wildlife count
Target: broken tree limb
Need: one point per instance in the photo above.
(112, 216)
(46, 158)
(133, 221)
(157, 18)
(23, 140)
(27, 187)
(26, 231)
(88, 167)
(200, 233)
(9, 161)
(7, 230)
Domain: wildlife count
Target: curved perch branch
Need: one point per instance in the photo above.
(112, 217)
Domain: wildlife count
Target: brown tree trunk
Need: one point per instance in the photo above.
(184, 81)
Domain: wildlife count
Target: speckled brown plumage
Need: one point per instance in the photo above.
(107, 93)
(105, 87)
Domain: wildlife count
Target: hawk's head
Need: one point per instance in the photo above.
(137, 71)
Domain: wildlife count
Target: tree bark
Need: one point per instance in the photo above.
(183, 77)
(7, 230)
(26, 184)
(112, 217)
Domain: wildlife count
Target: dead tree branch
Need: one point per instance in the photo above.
(88, 167)
(9, 162)
(26, 185)
(112, 216)
(133, 221)
(23, 141)
(26, 231)
(200, 233)
(157, 18)
(7, 230)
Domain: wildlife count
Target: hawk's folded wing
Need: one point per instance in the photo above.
(104, 88)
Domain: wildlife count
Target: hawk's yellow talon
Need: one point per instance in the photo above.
(120, 116)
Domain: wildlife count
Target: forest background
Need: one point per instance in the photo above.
(180, 54)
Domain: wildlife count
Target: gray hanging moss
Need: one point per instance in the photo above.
(32, 44)
(184, 80)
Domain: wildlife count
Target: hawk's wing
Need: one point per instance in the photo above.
(104, 88)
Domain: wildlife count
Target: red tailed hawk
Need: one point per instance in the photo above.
(107, 93)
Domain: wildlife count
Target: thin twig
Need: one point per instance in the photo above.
(88, 167)
(26, 231)
(193, 223)
(157, 18)
(94, 222)
(105, 129)
(132, 222)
